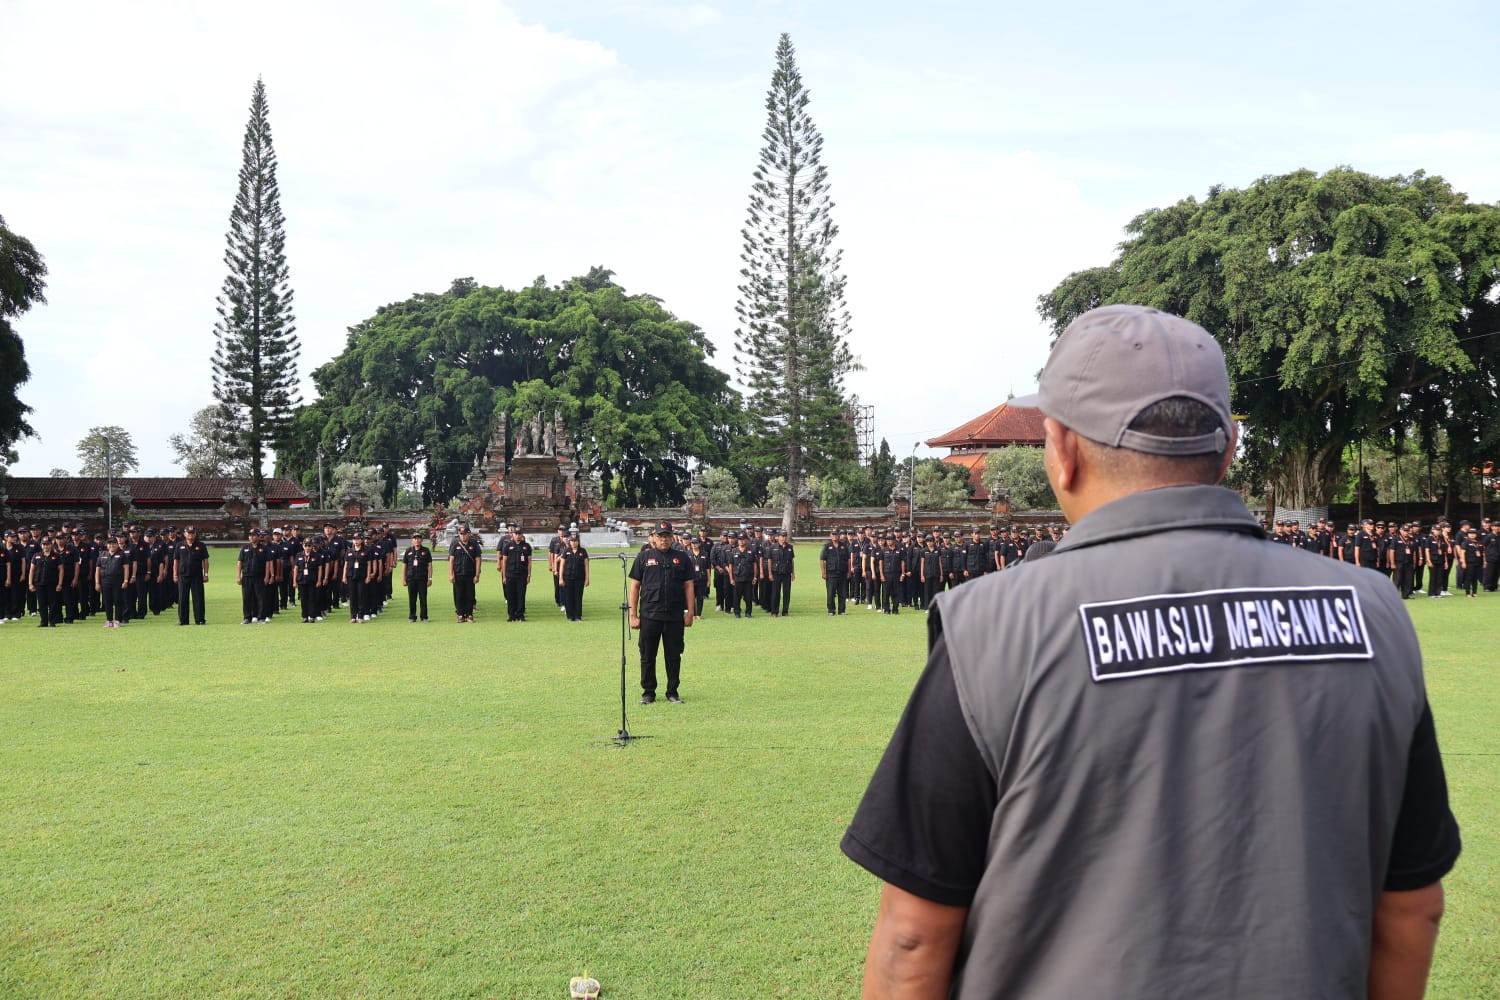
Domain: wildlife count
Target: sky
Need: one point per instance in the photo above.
(978, 153)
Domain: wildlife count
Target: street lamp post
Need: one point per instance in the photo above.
(911, 481)
(109, 489)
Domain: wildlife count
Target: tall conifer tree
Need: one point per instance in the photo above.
(791, 348)
(255, 357)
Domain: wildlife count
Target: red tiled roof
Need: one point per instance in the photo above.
(1004, 425)
(974, 462)
(143, 490)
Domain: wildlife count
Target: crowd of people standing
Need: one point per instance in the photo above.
(1466, 557)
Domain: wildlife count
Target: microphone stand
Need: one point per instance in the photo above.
(624, 737)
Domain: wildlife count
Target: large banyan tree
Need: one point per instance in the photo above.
(1349, 307)
(419, 386)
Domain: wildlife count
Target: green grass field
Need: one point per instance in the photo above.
(397, 810)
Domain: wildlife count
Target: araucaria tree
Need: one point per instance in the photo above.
(791, 348)
(255, 358)
(21, 284)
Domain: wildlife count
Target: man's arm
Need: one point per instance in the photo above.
(912, 948)
(1405, 934)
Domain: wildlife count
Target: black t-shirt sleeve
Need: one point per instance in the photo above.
(924, 822)
(1426, 842)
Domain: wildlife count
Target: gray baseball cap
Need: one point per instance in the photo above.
(1113, 362)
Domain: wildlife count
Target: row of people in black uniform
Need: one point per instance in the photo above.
(1468, 556)
(755, 568)
(65, 575)
(889, 570)
(567, 565)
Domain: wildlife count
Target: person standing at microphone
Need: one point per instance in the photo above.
(661, 608)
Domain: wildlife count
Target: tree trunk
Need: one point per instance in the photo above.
(1306, 478)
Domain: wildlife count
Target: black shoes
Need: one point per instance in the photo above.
(647, 699)
(674, 699)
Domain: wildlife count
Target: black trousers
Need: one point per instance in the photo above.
(1437, 580)
(1403, 579)
(721, 590)
(744, 591)
(110, 591)
(416, 597)
(1491, 571)
(141, 597)
(463, 596)
(892, 597)
(358, 599)
(669, 636)
(929, 591)
(573, 599)
(837, 593)
(48, 604)
(515, 598)
(781, 593)
(190, 592)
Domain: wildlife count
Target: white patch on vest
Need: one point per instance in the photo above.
(1166, 633)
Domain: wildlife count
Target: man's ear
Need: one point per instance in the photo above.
(1060, 456)
(1234, 440)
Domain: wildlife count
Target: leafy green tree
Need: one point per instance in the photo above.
(791, 349)
(1024, 474)
(420, 385)
(107, 451)
(60, 474)
(351, 477)
(722, 488)
(256, 349)
(1347, 305)
(210, 448)
(940, 485)
(21, 286)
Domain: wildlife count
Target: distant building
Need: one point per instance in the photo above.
(1001, 427)
(47, 500)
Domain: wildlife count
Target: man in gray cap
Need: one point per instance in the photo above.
(1170, 759)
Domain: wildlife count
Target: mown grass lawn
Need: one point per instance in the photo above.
(396, 810)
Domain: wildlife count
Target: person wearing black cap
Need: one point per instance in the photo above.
(464, 556)
(699, 549)
(304, 577)
(1078, 802)
(833, 564)
(1470, 552)
(71, 571)
(109, 576)
(11, 568)
(190, 573)
(137, 591)
(513, 560)
(1439, 558)
(782, 560)
(661, 608)
(359, 573)
(573, 571)
(1489, 534)
(719, 561)
(158, 597)
(250, 577)
(1401, 556)
(556, 546)
(46, 582)
(893, 570)
(416, 576)
(743, 567)
(929, 571)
